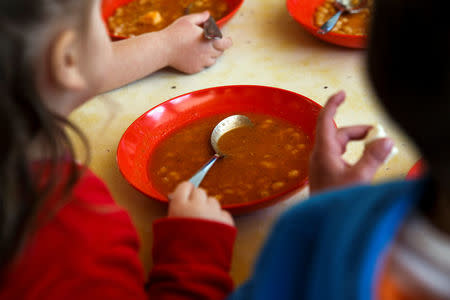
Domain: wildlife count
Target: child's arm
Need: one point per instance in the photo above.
(327, 167)
(192, 248)
(181, 46)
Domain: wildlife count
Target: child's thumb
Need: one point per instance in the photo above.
(198, 18)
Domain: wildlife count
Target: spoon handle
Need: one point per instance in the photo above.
(210, 30)
(329, 25)
(198, 177)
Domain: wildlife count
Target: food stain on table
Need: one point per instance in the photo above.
(267, 159)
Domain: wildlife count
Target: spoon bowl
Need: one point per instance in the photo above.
(342, 6)
(350, 6)
(226, 125)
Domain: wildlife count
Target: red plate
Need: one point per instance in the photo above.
(303, 12)
(109, 7)
(144, 135)
(417, 170)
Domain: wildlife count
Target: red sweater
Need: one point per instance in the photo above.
(89, 250)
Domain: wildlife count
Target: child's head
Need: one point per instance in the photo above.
(409, 64)
(51, 57)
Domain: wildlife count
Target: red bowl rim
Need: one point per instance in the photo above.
(289, 4)
(220, 22)
(238, 206)
(417, 170)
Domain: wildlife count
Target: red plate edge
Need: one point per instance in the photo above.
(110, 6)
(239, 208)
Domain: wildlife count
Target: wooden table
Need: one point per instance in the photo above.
(270, 48)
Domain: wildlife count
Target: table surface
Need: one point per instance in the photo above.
(270, 48)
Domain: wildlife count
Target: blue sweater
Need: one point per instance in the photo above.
(328, 246)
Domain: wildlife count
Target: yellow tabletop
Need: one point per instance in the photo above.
(270, 48)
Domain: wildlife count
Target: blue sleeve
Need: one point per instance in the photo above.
(286, 258)
(320, 248)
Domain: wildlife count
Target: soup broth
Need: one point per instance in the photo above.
(353, 24)
(141, 16)
(264, 160)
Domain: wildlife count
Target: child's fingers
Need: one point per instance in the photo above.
(214, 53)
(215, 56)
(351, 133)
(213, 203)
(182, 191)
(325, 125)
(211, 61)
(222, 44)
(198, 18)
(227, 218)
(373, 157)
(198, 195)
(326, 116)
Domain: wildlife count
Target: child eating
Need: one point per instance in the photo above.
(61, 234)
(390, 241)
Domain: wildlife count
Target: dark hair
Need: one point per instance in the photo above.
(409, 64)
(25, 120)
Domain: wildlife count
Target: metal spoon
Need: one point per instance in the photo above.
(343, 6)
(210, 29)
(226, 125)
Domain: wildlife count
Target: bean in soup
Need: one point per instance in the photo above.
(141, 16)
(261, 161)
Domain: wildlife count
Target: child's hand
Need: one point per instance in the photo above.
(327, 167)
(190, 202)
(189, 51)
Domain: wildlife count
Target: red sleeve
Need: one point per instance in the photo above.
(89, 250)
(191, 259)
